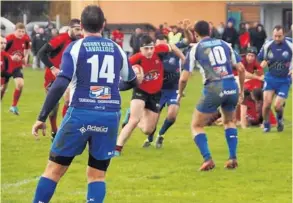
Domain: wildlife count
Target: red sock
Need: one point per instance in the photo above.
(119, 148)
(53, 122)
(16, 96)
(65, 107)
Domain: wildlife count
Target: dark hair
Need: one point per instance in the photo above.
(92, 19)
(73, 22)
(202, 28)
(145, 40)
(162, 37)
(279, 27)
(252, 50)
(257, 94)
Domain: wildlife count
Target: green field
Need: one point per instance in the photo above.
(149, 175)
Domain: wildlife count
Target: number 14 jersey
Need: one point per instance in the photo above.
(94, 65)
(215, 59)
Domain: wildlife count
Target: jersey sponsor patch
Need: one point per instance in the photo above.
(152, 75)
(100, 92)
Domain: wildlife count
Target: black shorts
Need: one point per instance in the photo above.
(17, 73)
(152, 101)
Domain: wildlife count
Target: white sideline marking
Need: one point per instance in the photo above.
(18, 183)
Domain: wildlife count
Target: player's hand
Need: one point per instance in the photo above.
(186, 23)
(264, 64)
(16, 57)
(261, 78)
(179, 97)
(39, 125)
(55, 71)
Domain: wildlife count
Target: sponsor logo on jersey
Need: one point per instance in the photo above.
(221, 70)
(93, 128)
(151, 75)
(229, 92)
(100, 92)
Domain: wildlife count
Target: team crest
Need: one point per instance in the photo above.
(285, 54)
(100, 92)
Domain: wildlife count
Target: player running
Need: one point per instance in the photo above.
(17, 44)
(276, 54)
(171, 64)
(6, 65)
(50, 54)
(145, 106)
(215, 59)
(94, 65)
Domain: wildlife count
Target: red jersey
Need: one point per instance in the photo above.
(254, 113)
(59, 44)
(153, 69)
(17, 46)
(253, 67)
(6, 67)
(118, 37)
(253, 84)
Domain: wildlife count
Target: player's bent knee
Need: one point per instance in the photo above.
(54, 171)
(133, 122)
(98, 164)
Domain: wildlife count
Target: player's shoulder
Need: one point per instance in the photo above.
(74, 47)
(289, 39)
(62, 37)
(10, 37)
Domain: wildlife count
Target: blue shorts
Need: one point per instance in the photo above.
(80, 126)
(219, 94)
(281, 87)
(168, 97)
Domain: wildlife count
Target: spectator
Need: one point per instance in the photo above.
(166, 29)
(174, 36)
(135, 40)
(35, 30)
(37, 42)
(230, 34)
(244, 38)
(54, 32)
(118, 37)
(221, 28)
(259, 37)
(213, 31)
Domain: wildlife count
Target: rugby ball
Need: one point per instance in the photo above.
(138, 70)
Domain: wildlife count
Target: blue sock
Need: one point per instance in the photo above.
(167, 124)
(232, 140)
(45, 190)
(96, 192)
(151, 136)
(279, 115)
(202, 143)
(267, 124)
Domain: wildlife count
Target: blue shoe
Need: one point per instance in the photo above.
(126, 119)
(14, 110)
(117, 153)
(280, 126)
(267, 127)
